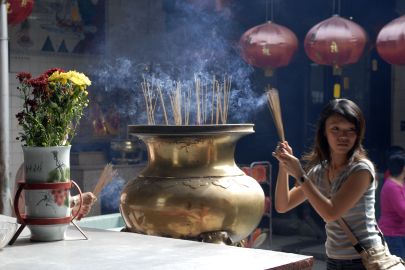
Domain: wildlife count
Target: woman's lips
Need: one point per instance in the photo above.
(343, 144)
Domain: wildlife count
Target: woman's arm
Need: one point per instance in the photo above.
(286, 199)
(329, 209)
(345, 198)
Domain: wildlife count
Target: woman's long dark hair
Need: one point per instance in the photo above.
(320, 151)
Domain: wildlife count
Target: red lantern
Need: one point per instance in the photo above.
(268, 46)
(18, 10)
(391, 42)
(335, 41)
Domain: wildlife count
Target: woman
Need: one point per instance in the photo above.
(392, 200)
(338, 181)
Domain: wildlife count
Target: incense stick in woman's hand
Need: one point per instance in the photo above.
(106, 176)
(275, 109)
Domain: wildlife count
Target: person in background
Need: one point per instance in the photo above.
(338, 181)
(88, 200)
(392, 202)
(394, 149)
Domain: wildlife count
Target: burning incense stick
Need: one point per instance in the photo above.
(186, 106)
(176, 101)
(217, 103)
(225, 89)
(150, 101)
(197, 82)
(105, 178)
(212, 99)
(205, 102)
(275, 109)
(159, 88)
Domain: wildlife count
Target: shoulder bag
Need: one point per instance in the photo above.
(374, 258)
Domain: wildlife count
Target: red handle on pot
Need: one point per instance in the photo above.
(44, 221)
(80, 198)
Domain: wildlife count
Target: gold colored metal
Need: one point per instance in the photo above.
(337, 71)
(266, 51)
(334, 47)
(216, 238)
(268, 72)
(346, 83)
(192, 186)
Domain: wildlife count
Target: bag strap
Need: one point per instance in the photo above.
(355, 242)
(353, 239)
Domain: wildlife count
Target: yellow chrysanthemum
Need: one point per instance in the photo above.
(78, 78)
(75, 77)
(58, 77)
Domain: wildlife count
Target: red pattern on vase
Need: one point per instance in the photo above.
(60, 196)
(18, 10)
(268, 45)
(335, 41)
(391, 42)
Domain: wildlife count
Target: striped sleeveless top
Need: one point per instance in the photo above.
(360, 218)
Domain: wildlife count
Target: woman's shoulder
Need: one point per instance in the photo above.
(316, 172)
(362, 164)
(316, 168)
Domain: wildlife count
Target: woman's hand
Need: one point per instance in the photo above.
(286, 146)
(284, 154)
(88, 200)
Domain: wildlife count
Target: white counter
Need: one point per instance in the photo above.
(119, 250)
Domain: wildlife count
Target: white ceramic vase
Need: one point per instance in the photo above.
(47, 165)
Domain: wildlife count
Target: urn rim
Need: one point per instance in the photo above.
(191, 129)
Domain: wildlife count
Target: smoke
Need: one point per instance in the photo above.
(198, 44)
(110, 195)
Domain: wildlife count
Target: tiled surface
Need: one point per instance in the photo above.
(319, 265)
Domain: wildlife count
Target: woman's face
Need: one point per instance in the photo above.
(340, 133)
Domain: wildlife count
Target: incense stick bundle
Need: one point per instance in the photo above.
(205, 102)
(187, 106)
(225, 96)
(175, 102)
(212, 99)
(275, 109)
(105, 178)
(218, 98)
(197, 83)
(150, 100)
(159, 88)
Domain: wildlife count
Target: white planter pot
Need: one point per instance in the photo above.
(47, 165)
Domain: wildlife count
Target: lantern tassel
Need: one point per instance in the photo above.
(268, 72)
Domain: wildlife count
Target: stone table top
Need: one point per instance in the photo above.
(121, 250)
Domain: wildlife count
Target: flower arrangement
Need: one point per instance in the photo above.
(53, 104)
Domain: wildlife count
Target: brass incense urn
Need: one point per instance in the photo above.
(191, 187)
